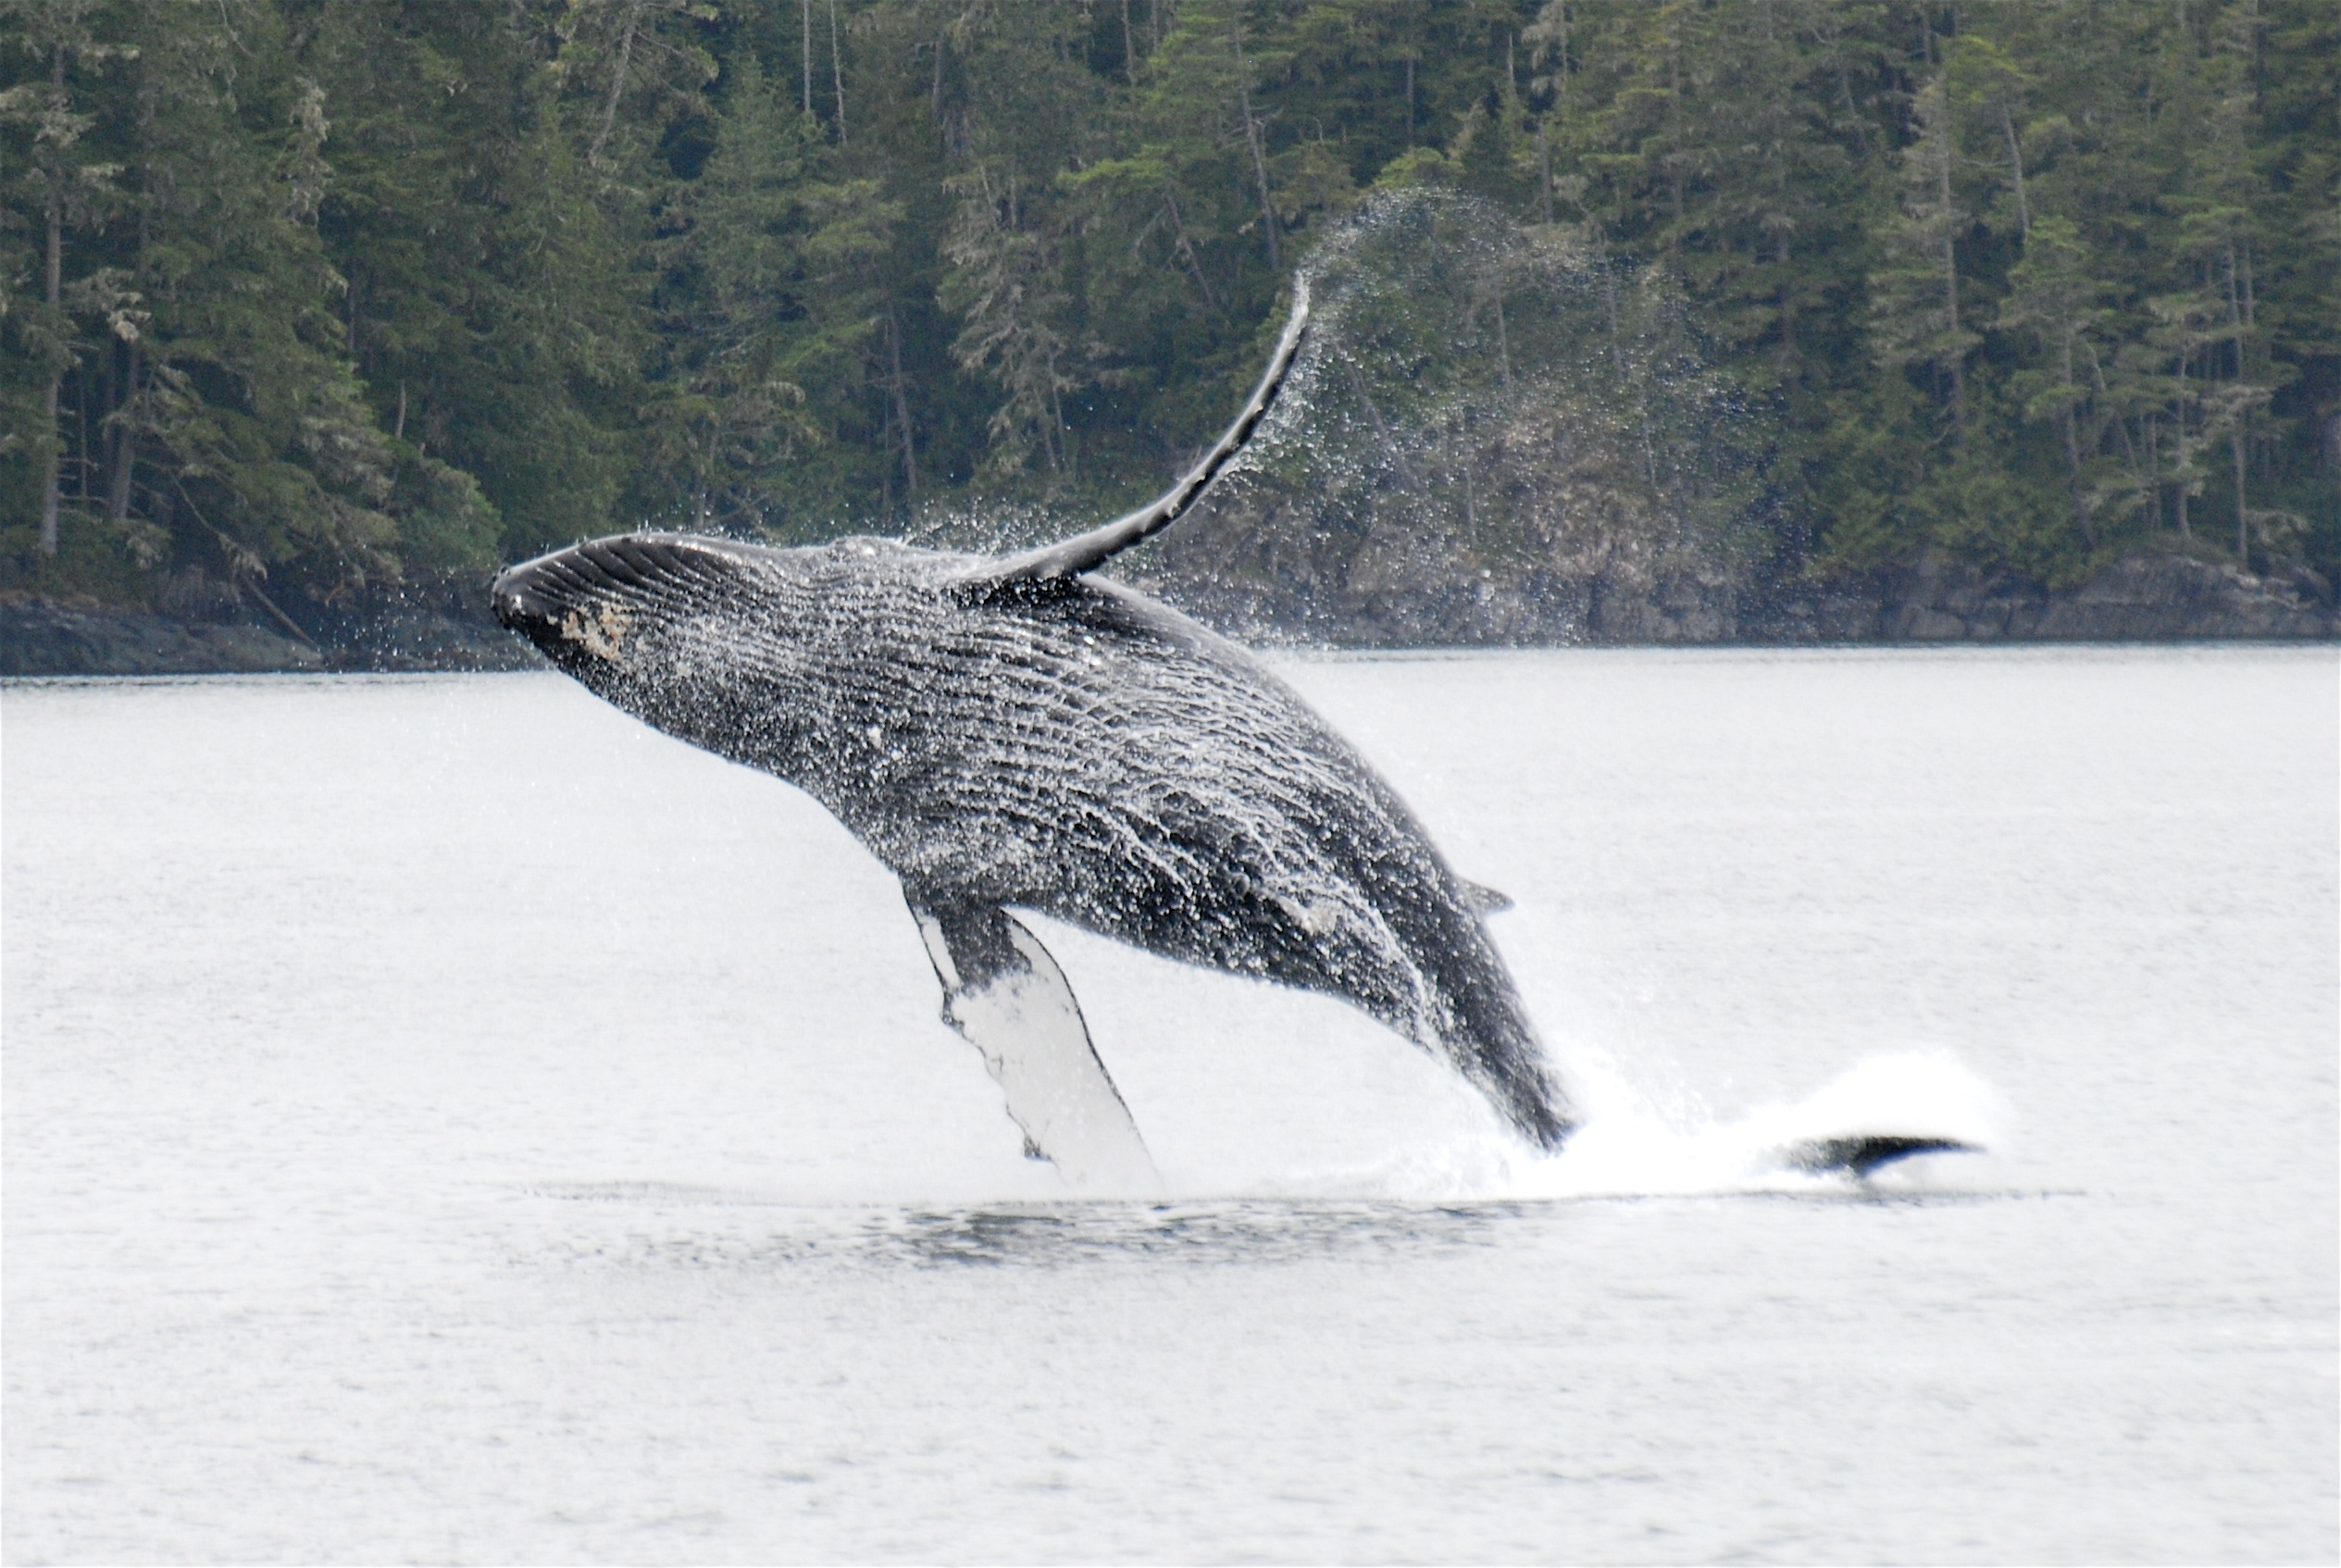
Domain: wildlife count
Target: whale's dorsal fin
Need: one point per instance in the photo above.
(1483, 898)
(1006, 995)
(1085, 551)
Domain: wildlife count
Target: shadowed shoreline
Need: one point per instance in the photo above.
(2145, 597)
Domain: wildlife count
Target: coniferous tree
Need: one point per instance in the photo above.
(346, 291)
(767, 310)
(70, 191)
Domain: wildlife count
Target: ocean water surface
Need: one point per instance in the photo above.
(447, 1121)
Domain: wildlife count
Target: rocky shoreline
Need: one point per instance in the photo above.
(2141, 598)
(440, 625)
(2145, 597)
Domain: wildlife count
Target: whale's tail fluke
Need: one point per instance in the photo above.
(1085, 551)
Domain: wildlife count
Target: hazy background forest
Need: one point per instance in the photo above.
(328, 294)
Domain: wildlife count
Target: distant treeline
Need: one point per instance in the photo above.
(323, 291)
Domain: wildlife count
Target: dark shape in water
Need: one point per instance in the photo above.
(1866, 1153)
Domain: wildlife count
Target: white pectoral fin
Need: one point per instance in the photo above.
(1006, 995)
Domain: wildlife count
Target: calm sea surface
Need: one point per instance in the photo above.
(448, 1121)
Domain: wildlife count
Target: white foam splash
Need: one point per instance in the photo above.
(1630, 1149)
(1640, 1144)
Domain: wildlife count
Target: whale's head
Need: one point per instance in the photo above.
(588, 607)
(702, 637)
(812, 664)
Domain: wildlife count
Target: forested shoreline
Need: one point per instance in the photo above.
(305, 299)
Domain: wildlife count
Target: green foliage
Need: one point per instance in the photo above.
(342, 290)
(763, 293)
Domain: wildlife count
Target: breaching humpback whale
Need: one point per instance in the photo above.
(1014, 733)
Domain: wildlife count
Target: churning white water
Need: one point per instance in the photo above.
(448, 1121)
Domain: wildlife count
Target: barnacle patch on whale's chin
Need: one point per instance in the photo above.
(600, 631)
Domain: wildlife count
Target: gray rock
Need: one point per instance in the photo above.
(436, 624)
(2166, 597)
(41, 636)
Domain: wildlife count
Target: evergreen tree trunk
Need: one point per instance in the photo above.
(2015, 169)
(118, 489)
(2236, 432)
(2070, 431)
(1950, 288)
(55, 297)
(901, 403)
(1544, 175)
(2105, 400)
(934, 91)
(2235, 446)
(837, 73)
(2179, 457)
(617, 83)
(1186, 248)
(129, 409)
(1251, 136)
(1674, 148)
(124, 455)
